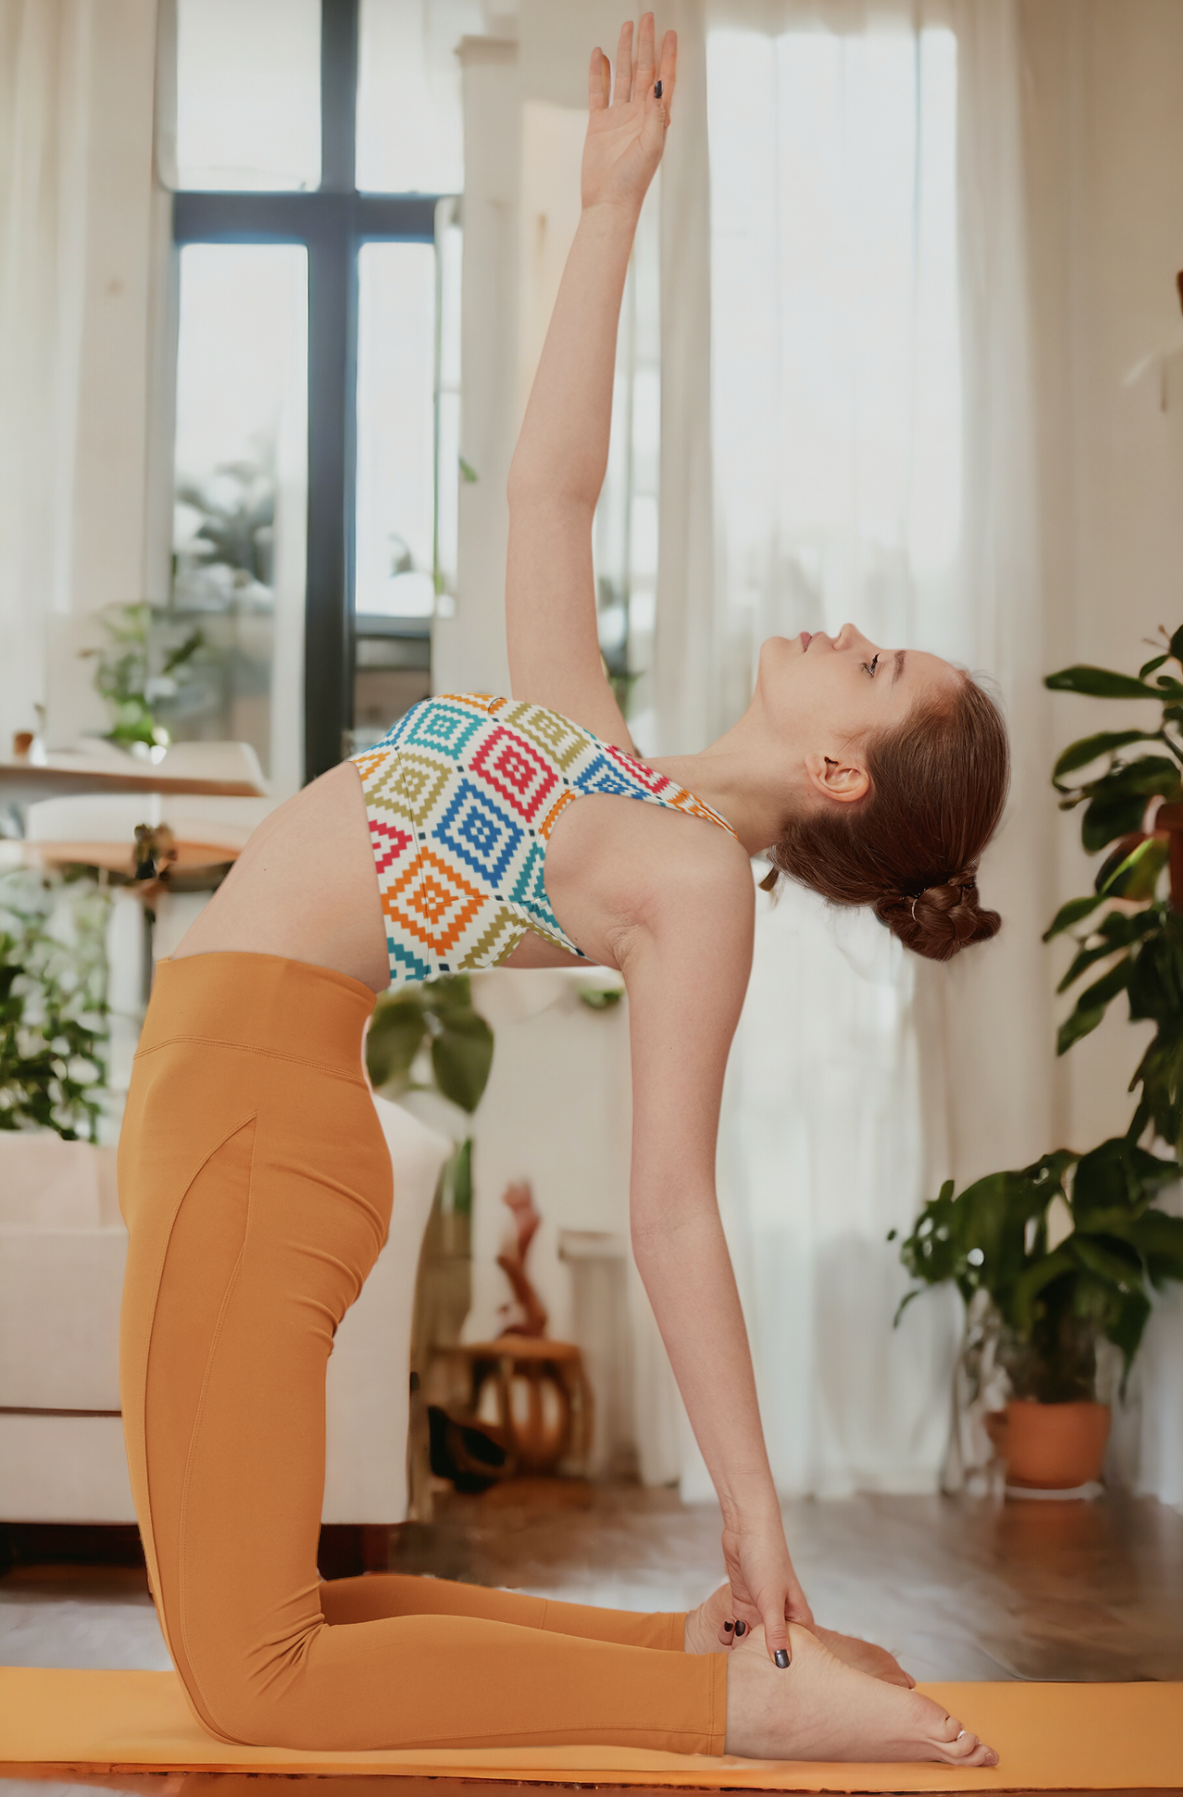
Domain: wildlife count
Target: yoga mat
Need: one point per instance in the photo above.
(1049, 1737)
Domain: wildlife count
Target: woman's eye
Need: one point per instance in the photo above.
(870, 666)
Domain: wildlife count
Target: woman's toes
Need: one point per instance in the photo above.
(963, 1748)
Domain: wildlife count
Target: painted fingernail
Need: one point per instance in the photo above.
(782, 1659)
(741, 1628)
(729, 1626)
(657, 91)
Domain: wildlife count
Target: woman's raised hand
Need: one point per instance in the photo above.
(764, 1588)
(626, 128)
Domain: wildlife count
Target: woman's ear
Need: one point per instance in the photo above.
(845, 780)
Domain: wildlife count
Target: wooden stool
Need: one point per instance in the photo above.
(543, 1402)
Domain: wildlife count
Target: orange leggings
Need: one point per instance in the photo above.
(256, 1185)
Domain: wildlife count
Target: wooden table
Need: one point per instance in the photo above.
(534, 1367)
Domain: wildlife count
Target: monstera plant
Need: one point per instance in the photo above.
(1127, 925)
(1052, 1258)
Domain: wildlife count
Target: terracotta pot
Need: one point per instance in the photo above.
(1052, 1447)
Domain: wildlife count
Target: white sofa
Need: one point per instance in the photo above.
(62, 1252)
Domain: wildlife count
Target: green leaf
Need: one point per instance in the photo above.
(394, 1039)
(1090, 748)
(449, 995)
(1099, 683)
(1158, 1238)
(1073, 912)
(1112, 1269)
(1149, 667)
(1177, 644)
(1125, 1329)
(461, 1056)
(600, 998)
(1136, 875)
(1090, 1006)
(1118, 801)
(1034, 1280)
(1086, 958)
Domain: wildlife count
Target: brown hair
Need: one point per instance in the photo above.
(910, 848)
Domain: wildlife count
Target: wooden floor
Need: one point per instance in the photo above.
(959, 1589)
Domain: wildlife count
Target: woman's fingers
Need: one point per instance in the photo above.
(669, 69)
(776, 1635)
(643, 72)
(599, 81)
(622, 90)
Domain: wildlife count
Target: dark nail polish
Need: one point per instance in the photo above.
(741, 1628)
(782, 1659)
(729, 1625)
(657, 91)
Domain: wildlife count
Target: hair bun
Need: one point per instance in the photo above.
(940, 920)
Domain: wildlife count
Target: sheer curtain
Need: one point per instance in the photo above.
(869, 459)
(43, 54)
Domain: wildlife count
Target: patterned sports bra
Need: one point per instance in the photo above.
(462, 795)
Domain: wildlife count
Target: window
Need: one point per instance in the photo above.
(317, 365)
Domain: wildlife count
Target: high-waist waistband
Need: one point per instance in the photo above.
(261, 1002)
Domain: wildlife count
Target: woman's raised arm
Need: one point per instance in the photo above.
(562, 453)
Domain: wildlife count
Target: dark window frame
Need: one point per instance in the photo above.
(332, 223)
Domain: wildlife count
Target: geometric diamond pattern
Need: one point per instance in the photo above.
(515, 771)
(477, 829)
(462, 795)
(433, 903)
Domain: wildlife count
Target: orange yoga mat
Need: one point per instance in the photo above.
(1049, 1737)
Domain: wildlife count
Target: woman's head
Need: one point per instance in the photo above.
(902, 791)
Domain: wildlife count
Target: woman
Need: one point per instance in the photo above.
(255, 1179)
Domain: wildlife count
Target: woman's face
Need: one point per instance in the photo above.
(830, 693)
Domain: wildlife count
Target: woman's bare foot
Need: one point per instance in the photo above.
(705, 1633)
(864, 1656)
(821, 1709)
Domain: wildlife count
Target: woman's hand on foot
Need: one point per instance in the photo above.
(765, 1589)
(711, 1628)
(821, 1709)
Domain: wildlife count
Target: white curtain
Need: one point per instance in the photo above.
(43, 55)
(82, 236)
(857, 290)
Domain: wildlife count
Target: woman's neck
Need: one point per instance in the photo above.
(756, 804)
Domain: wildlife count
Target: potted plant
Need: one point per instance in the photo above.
(1064, 1252)
(1053, 1258)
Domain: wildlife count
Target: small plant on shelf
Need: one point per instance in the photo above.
(124, 674)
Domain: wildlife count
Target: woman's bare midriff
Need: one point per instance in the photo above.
(305, 888)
